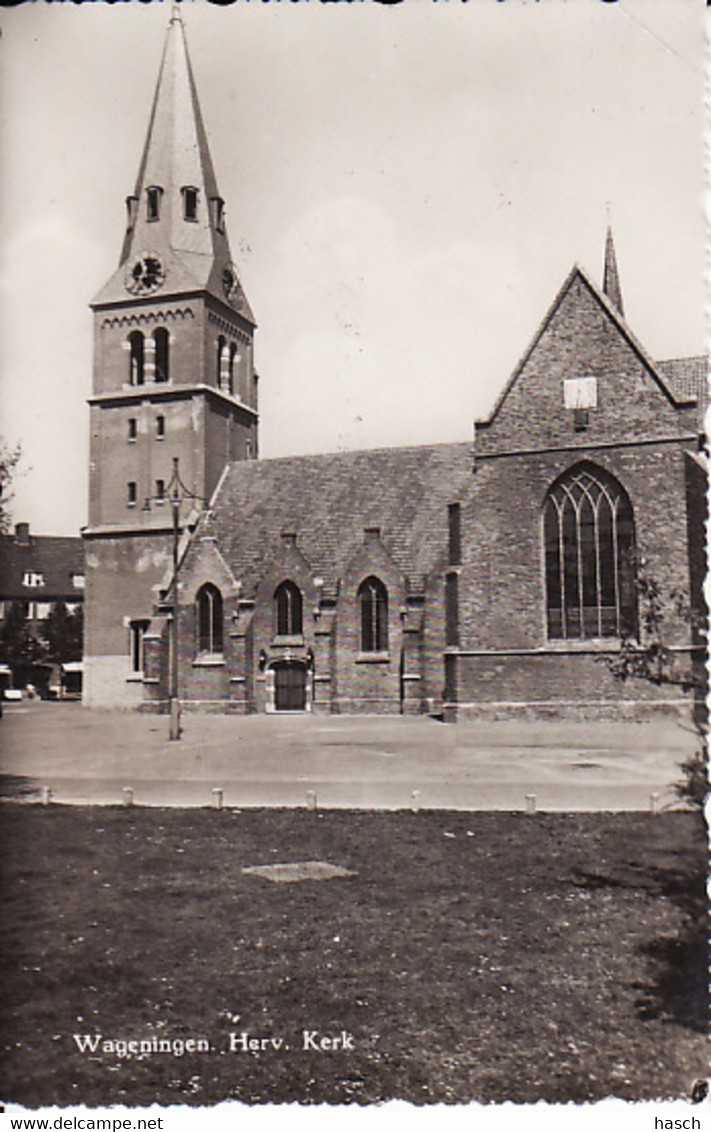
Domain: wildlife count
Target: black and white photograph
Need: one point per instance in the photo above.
(353, 569)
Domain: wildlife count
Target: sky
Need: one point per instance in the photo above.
(407, 187)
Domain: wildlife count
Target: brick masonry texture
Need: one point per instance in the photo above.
(502, 589)
(582, 337)
(303, 519)
(328, 522)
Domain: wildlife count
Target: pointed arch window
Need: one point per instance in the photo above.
(208, 609)
(289, 610)
(162, 354)
(373, 599)
(136, 374)
(234, 363)
(190, 202)
(588, 530)
(154, 195)
(222, 360)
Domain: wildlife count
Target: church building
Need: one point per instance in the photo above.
(482, 579)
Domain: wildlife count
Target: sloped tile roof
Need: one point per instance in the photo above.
(328, 500)
(56, 558)
(687, 378)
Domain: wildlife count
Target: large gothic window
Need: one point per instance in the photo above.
(209, 618)
(373, 599)
(589, 547)
(288, 607)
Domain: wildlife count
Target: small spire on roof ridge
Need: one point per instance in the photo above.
(611, 278)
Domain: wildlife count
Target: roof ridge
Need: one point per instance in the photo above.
(683, 358)
(390, 448)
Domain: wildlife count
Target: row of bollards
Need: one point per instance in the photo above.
(218, 796)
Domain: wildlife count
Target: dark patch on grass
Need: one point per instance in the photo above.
(13, 786)
(677, 993)
(521, 957)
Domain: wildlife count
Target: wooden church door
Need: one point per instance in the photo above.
(290, 686)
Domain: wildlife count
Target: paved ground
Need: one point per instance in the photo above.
(364, 762)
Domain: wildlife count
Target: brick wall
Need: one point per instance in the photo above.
(635, 434)
(406, 677)
(566, 683)
(581, 339)
(502, 583)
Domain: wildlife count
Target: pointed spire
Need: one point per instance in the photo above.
(176, 157)
(176, 211)
(611, 278)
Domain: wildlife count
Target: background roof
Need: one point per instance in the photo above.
(56, 558)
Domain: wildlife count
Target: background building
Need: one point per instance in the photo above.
(41, 604)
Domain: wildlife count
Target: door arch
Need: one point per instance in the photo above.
(290, 685)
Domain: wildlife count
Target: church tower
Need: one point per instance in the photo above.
(173, 379)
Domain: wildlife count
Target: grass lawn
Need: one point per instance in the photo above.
(474, 957)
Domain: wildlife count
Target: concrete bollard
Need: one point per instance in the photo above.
(128, 795)
(530, 803)
(217, 797)
(415, 801)
(310, 799)
(46, 795)
(654, 802)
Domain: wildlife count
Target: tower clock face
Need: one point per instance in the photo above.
(145, 275)
(231, 286)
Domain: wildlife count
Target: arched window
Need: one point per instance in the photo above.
(136, 355)
(161, 339)
(153, 198)
(234, 363)
(190, 202)
(373, 598)
(218, 213)
(590, 549)
(289, 610)
(209, 618)
(222, 363)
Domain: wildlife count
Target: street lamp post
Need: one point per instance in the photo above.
(176, 492)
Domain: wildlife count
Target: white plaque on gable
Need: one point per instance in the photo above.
(580, 392)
